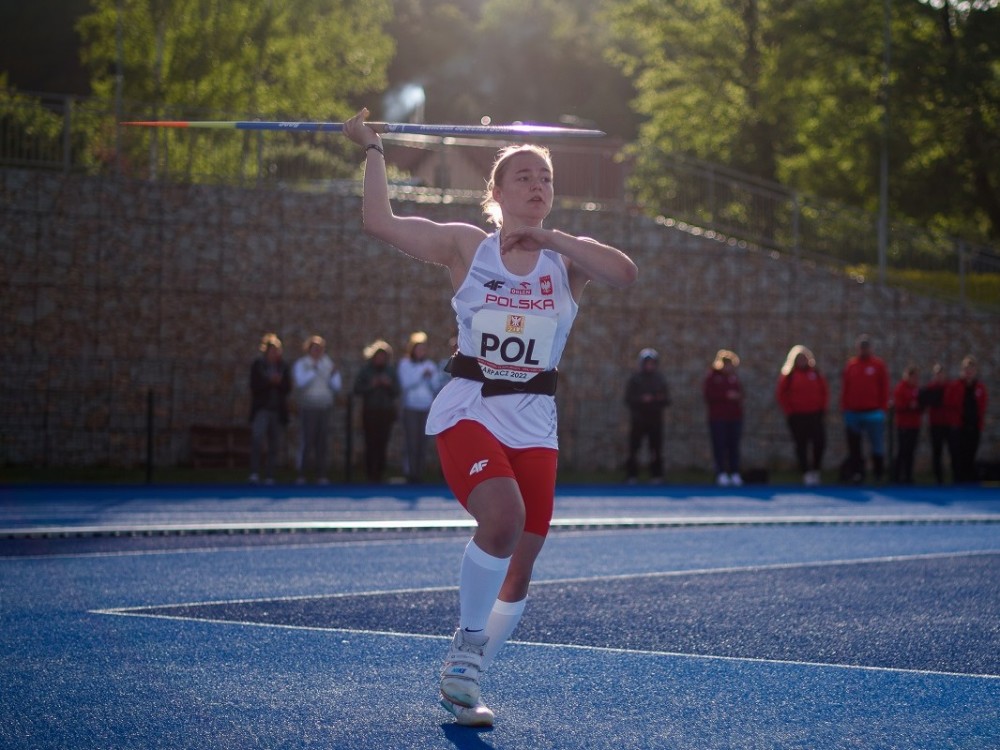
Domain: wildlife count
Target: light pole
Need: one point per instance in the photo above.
(119, 84)
(883, 199)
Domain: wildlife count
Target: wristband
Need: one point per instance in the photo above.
(375, 146)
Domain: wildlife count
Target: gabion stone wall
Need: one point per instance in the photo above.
(113, 290)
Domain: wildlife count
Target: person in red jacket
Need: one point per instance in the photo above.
(909, 413)
(724, 397)
(864, 398)
(804, 396)
(966, 400)
(938, 418)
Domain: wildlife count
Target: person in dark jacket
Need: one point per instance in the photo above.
(378, 385)
(724, 398)
(966, 400)
(270, 384)
(646, 396)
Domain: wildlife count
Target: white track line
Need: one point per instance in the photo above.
(144, 612)
(562, 646)
(621, 522)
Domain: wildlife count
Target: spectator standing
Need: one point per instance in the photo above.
(864, 399)
(966, 399)
(804, 396)
(646, 395)
(270, 384)
(418, 379)
(908, 414)
(317, 382)
(723, 394)
(938, 418)
(378, 386)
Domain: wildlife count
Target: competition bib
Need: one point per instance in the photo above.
(512, 345)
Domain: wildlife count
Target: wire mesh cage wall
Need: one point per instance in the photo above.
(116, 288)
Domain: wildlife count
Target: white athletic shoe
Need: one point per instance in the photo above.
(460, 673)
(722, 480)
(736, 480)
(478, 715)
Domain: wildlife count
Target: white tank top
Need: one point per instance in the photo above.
(516, 327)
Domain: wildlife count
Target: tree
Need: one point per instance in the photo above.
(543, 59)
(946, 99)
(794, 92)
(238, 59)
(702, 71)
(25, 120)
(529, 60)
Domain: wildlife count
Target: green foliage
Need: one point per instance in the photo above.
(790, 91)
(232, 59)
(701, 70)
(794, 92)
(30, 131)
(26, 115)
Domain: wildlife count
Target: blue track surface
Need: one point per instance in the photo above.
(667, 618)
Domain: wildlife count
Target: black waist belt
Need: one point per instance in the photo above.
(462, 366)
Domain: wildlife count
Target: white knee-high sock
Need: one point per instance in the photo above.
(479, 583)
(500, 626)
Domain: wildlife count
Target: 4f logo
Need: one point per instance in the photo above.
(478, 466)
(493, 285)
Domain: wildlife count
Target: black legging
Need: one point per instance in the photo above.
(647, 425)
(940, 435)
(964, 446)
(808, 430)
(902, 470)
(377, 424)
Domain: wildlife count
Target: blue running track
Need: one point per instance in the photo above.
(660, 617)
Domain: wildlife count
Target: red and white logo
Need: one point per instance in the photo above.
(546, 282)
(478, 466)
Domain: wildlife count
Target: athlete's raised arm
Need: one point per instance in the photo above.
(451, 245)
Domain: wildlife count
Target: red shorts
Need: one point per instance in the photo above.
(470, 454)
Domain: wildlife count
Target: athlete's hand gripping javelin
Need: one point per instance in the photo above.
(358, 131)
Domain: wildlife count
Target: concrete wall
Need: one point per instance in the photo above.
(114, 288)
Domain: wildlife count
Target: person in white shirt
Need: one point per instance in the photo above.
(516, 293)
(317, 381)
(418, 378)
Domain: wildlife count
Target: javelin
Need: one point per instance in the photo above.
(408, 128)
